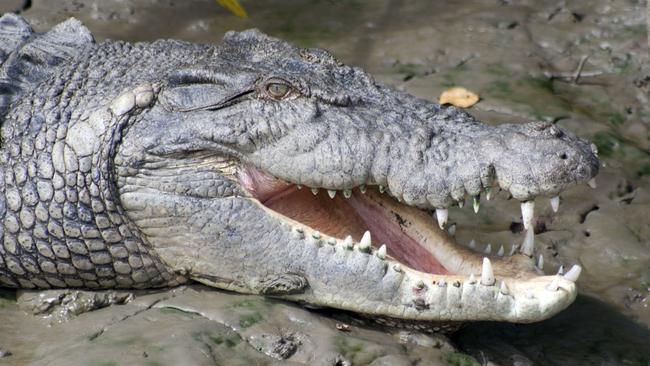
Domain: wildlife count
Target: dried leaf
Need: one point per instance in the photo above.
(458, 97)
(234, 6)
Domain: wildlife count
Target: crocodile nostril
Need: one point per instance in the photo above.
(563, 156)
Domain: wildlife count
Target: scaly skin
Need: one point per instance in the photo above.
(124, 166)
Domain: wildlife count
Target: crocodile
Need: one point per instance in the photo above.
(259, 167)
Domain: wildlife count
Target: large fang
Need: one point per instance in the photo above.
(527, 213)
(573, 273)
(477, 203)
(442, 214)
(487, 275)
(540, 262)
(364, 244)
(529, 243)
(501, 251)
(488, 193)
(555, 203)
(592, 183)
(331, 193)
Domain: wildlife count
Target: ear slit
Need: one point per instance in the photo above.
(199, 97)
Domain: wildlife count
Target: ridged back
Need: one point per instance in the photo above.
(26, 57)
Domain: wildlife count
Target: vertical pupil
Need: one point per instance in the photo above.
(278, 89)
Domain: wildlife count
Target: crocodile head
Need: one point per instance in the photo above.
(266, 168)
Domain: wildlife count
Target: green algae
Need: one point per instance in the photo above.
(249, 320)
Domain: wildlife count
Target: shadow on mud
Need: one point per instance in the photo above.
(589, 332)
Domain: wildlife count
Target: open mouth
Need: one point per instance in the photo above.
(369, 219)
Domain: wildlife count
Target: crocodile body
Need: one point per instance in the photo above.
(152, 164)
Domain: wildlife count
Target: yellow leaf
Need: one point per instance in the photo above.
(458, 97)
(234, 6)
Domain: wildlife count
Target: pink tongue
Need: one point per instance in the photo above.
(386, 227)
(340, 217)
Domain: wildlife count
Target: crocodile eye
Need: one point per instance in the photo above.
(278, 90)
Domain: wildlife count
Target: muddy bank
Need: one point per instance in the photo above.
(196, 325)
(581, 64)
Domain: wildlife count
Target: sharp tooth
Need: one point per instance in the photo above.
(527, 213)
(488, 193)
(554, 285)
(452, 230)
(314, 191)
(347, 193)
(331, 193)
(442, 283)
(488, 249)
(555, 203)
(529, 243)
(397, 267)
(540, 262)
(362, 188)
(504, 289)
(573, 273)
(442, 214)
(348, 243)
(472, 244)
(420, 285)
(299, 186)
(298, 233)
(501, 251)
(513, 249)
(472, 279)
(592, 183)
(315, 238)
(461, 203)
(381, 252)
(560, 271)
(382, 189)
(477, 203)
(487, 276)
(331, 241)
(364, 244)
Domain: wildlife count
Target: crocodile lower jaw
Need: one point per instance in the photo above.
(440, 274)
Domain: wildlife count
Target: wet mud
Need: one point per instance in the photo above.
(582, 64)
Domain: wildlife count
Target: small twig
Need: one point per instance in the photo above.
(571, 75)
(581, 65)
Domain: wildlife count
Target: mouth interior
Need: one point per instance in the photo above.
(339, 217)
